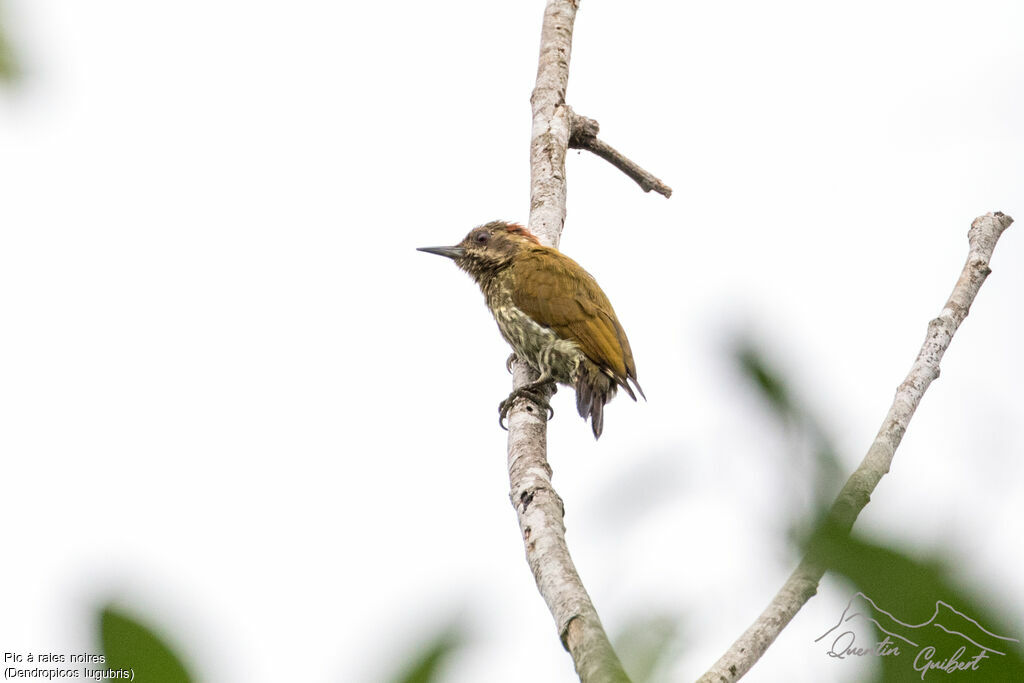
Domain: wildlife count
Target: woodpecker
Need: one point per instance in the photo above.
(552, 313)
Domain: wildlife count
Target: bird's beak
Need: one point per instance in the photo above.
(450, 252)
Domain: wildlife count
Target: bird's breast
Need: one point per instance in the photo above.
(539, 346)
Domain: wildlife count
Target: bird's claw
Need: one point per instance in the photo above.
(529, 393)
(508, 362)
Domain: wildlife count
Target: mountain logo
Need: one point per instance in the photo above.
(949, 641)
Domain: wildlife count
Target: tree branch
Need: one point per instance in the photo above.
(803, 582)
(583, 135)
(537, 505)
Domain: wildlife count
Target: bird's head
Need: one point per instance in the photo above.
(487, 248)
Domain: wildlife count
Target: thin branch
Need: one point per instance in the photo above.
(537, 505)
(583, 135)
(803, 583)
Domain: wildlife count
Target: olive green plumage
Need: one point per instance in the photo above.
(552, 313)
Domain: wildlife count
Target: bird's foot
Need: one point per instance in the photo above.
(530, 392)
(512, 358)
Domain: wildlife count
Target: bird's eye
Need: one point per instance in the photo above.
(482, 238)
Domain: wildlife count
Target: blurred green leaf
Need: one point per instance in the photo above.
(128, 644)
(813, 451)
(771, 386)
(426, 665)
(912, 591)
(646, 646)
(8, 69)
(8, 65)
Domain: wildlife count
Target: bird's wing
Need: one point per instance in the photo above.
(557, 293)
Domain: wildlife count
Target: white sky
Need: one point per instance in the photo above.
(234, 398)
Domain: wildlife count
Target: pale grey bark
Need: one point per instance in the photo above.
(549, 139)
(803, 582)
(537, 504)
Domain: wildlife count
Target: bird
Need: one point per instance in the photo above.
(553, 314)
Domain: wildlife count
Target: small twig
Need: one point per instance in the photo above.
(583, 135)
(803, 582)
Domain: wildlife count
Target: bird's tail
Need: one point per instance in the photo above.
(594, 388)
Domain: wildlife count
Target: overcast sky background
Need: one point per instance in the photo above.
(235, 400)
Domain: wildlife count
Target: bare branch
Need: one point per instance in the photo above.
(550, 136)
(537, 505)
(803, 582)
(583, 135)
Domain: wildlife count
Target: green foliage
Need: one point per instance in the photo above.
(765, 379)
(910, 589)
(915, 591)
(8, 65)
(813, 451)
(646, 646)
(128, 644)
(426, 665)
